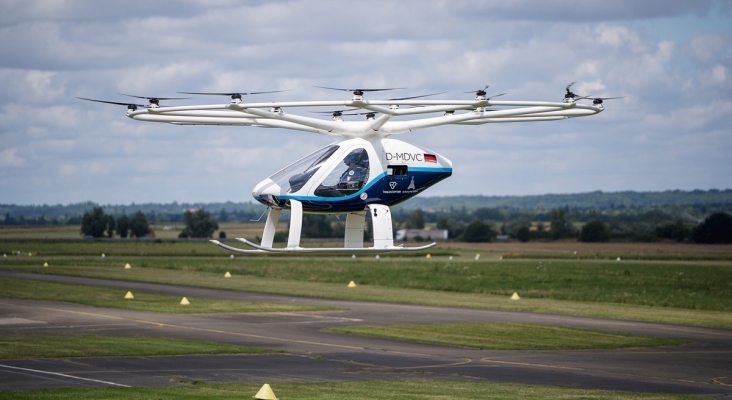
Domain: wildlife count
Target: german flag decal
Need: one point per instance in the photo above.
(430, 158)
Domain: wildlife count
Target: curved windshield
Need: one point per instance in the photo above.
(347, 177)
(297, 174)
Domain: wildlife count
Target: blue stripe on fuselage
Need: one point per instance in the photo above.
(378, 191)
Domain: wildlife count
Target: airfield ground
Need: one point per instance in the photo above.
(677, 292)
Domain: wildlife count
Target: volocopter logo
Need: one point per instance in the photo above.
(392, 184)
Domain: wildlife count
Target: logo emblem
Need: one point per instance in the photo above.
(411, 185)
(350, 172)
(392, 184)
(364, 195)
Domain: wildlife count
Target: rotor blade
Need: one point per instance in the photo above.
(362, 90)
(232, 93)
(155, 98)
(334, 111)
(418, 97)
(599, 98)
(497, 95)
(570, 85)
(112, 102)
(473, 91)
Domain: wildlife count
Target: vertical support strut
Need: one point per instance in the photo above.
(383, 232)
(354, 230)
(270, 226)
(293, 239)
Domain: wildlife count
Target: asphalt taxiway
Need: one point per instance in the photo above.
(701, 367)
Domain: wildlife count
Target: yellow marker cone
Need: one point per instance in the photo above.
(45, 264)
(265, 393)
(128, 266)
(352, 284)
(185, 302)
(227, 275)
(428, 256)
(477, 257)
(129, 296)
(515, 296)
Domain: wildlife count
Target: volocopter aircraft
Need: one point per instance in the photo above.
(364, 170)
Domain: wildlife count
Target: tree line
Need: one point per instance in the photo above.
(97, 224)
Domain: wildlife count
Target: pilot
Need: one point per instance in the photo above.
(357, 173)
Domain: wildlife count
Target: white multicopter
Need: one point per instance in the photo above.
(364, 170)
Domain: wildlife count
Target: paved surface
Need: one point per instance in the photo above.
(702, 367)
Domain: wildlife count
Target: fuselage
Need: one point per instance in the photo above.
(351, 174)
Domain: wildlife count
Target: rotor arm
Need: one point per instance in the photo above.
(407, 126)
(295, 119)
(416, 110)
(231, 121)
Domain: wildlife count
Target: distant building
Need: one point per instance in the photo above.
(426, 234)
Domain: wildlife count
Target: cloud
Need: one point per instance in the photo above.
(10, 158)
(60, 149)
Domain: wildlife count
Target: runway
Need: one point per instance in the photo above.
(702, 367)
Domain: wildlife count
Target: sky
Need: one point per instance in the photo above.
(670, 60)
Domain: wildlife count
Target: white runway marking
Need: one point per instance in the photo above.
(64, 375)
(18, 321)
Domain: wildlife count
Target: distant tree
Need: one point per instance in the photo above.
(416, 220)
(198, 224)
(139, 226)
(222, 235)
(560, 227)
(223, 215)
(522, 234)
(676, 231)
(318, 226)
(716, 228)
(110, 225)
(477, 231)
(486, 214)
(123, 226)
(594, 231)
(96, 222)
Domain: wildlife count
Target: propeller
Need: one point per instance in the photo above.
(598, 100)
(482, 92)
(357, 92)
(130, 106)
(234, 95)
(418, 97)
(569, 94)
(339, 113)
(154, 100)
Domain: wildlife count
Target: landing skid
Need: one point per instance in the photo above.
(353, 241)
(261, 249)
(236, 249)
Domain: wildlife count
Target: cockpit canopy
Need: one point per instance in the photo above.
(347, 177)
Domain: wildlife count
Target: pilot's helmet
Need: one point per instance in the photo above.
(353, 157)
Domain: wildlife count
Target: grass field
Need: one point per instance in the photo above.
(688, 285)
(509, 336)
(691, 291)
(420, 389)
(114, 298)
(107, 346)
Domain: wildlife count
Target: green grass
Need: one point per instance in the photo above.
(509, 336)
(635, 256)
(396, 295)
(419, 389)
(107, 346)
(114, 298)
(688, 285)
